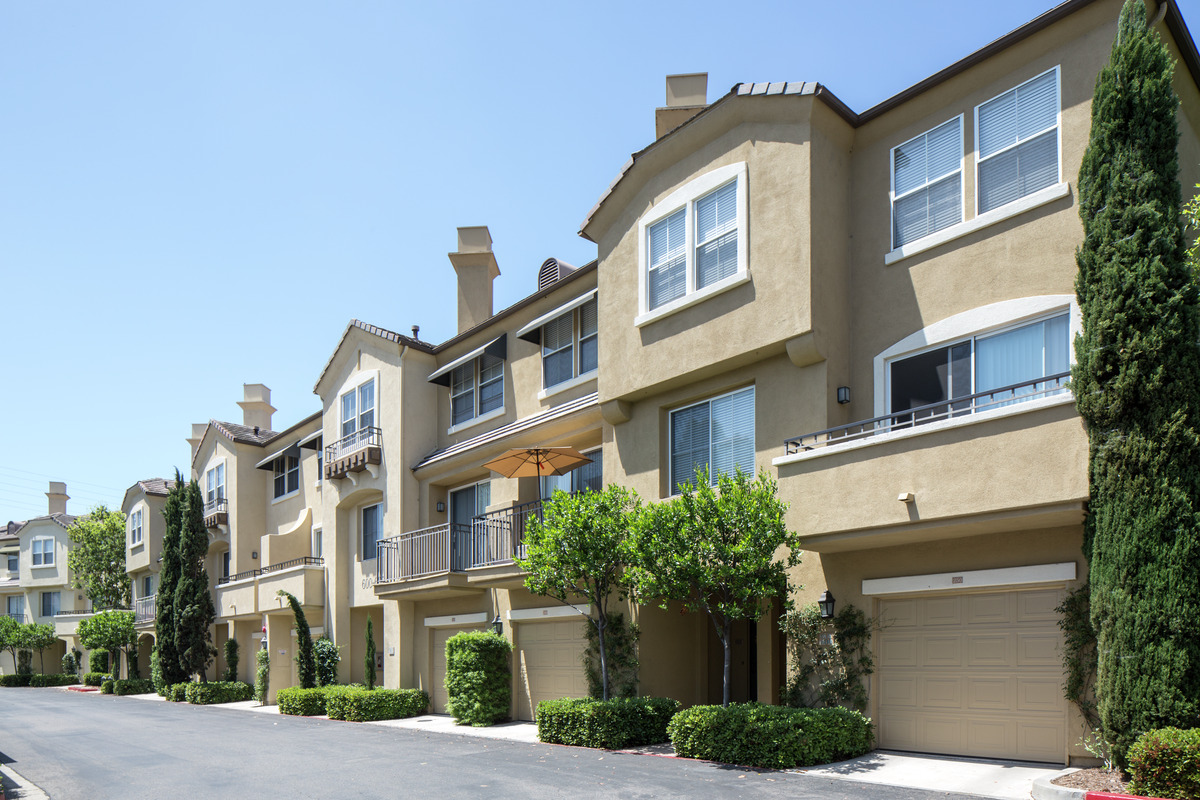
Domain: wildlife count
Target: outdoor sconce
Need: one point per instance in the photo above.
(498, 625)
(825, 603)
(843, 394)
(254, 554)
(441, 507)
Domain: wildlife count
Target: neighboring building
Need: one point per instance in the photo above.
(144, 528)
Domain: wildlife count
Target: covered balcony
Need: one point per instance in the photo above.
(354, 453)
(253, 591)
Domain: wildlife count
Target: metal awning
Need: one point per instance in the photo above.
(497, 347)
(292, 449)
(312, 441)
(531, 332)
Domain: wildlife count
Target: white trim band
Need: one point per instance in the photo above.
(970, 579)
(548, 613)
(457, 620)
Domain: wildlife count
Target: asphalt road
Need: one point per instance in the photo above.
(95, 746)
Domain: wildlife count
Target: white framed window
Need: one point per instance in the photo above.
(358, 408)
(16, 606)
(225, 562)
(214, 486)
(1017, 142)
(927, 183)
(570, 345)
(147, 585)
(42, 552)
(317, 543)
(372, 525)
(717, 433)
(476, 388)
(286, 471)
(694, 243)
(135, 527)
(14, 562)
(51, 603)
(584, 478)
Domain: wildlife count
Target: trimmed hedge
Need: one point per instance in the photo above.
(355, 704)
(1166, 763)
(53, 680)
(176, 692)
(755, 735)
(133, 686)
(15, 680)
(478, 677)
(98, 660)
(608, 724)
(299, 702)
(215, 692)
(96, 678)
(107, 687)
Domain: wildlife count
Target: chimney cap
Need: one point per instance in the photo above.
(474, 239)
(688, 89)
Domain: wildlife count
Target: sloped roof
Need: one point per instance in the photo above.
(159, 487)
(243, 434)
(374, 330)
(62, 520)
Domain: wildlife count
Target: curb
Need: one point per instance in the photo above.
(1043, 789)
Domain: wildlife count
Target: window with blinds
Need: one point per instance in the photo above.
(569, 345)
(717, 434)
(927, 183)
(476, 388)
(1018, 142)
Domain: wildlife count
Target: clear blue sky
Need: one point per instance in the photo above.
(194, 196)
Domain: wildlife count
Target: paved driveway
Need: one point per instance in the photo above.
(100, 746)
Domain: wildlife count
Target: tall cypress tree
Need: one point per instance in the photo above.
(194, 614)
(168, 579)
(1137, 386)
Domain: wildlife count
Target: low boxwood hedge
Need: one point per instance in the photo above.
(608, 724)
(755, 735)
(1166, 763)
(52, 680)
(96, 678)
(302, 702)
(107, 687)
(214, 692)
(133, 686)
(15, 680)
(356, 704)
(176, 692)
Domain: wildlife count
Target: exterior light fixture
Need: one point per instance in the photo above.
(441, 507)
(825, 603)
(254, 554)
(843, 394)
(498, 625)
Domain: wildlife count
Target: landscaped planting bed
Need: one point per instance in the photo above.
(215, 692)
(356, 704)
(299, 702)
(608, 724)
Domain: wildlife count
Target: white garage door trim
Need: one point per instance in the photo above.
(548, 613)
(971, 579)
(456, 620)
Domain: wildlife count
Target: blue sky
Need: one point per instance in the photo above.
(194, 196)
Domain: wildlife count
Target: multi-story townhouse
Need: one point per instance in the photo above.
(142, 506)
(879, 309)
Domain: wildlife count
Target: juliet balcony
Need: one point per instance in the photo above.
(216, 513)
(354, 453)
(145, 610)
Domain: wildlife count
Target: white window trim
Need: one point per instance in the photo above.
(962, 181)
(477, 384)
(299, 481)
(975, 322)
(140, 528)
(223, 487)
(473, 421)
(559, 388)
(673, 491)
(53, 553)
(1057, 129)
(686, 197)
(353, 383)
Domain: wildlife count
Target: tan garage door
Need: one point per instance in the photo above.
(973, 675)
(549, 663)
(438, 648)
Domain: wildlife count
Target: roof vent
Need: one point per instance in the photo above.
(552, 272)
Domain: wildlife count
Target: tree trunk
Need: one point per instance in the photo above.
(601, 624)
(726, 635)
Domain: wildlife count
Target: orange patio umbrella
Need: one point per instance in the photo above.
(528, 462)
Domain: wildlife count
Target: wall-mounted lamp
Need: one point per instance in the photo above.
(825, 603)
(843, 394)
(906, 497)
(254, 554)
(498, 625)
(441, 507)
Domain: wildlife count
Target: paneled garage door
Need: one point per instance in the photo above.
(973, 675)
(438, 645)
(549, 660)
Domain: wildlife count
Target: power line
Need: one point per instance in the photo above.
(22, 472)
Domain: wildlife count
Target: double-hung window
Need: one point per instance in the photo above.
(135, 527)
(16, 606)
(927, 183)
(214, 486)
(372, 524)
(1017, 136)
(147, 585)
(717, 434)
(287, 475)
(476, 388)
(695, 238)
(13, 562)
(358, 410)
(569, 345)
(43, 552)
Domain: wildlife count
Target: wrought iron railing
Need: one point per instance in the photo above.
(218, 506)
(499, 536)
(347, 445)
(18, 617)
(922, 415)
(145, 609)
(309, 561)
(414, 554)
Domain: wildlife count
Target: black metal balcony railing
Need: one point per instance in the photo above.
(145, 609)
(348, 445)
(218, 506)
(18, 617)
(921, 415)
(308, 561)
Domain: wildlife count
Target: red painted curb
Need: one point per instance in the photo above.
(1108, 796)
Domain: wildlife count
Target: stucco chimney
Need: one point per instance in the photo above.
(198, 429)
(256, 407)
(58, 498)
(476, 267)
(687, 96)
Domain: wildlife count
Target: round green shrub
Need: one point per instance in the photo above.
(357, 704)
(107, 687)
(300, 702)
(98, 660)
(478, 677)
(1166, 763)
(215, 692)
(609, 724)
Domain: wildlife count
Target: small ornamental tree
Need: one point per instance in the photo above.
(168, 579)
(39, 637)
(327, 655)
(580, 549)
(11, 637)
(97, 558)
(231, 660)
(112, 631)
(369, 657)
(194, 614)
(1137, 387)
(306, 662)
(262, 675)
(714, 550)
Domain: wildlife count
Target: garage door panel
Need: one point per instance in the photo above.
(942, 651)
(1039, 606)
(941, 692)
(991, 736)
(895, 614)
(898, 650)
(994, 693)
(988, 609)
(899, 730)
(991, 650)
(898, 690)
(1039, 694)
(942, 733)
(1040, 740)
(1039, 650)
(940, 611)
(549, 663)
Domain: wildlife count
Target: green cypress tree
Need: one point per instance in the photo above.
(1137, 386)
(369, 657)
(194, 614)
(168, 578)
(306, 658)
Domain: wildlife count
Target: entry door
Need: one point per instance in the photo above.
(465, 505)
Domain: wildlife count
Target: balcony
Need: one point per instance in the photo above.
(18, 617)
(354, 453)
(145, 610)
(216, 512)
(1006, 460)
(246, 593)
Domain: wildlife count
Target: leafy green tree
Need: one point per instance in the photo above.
(1137, 387)
(328, 655)
(369, 657)
(165, 629)
(11, 637)
(97, 558)
(39, 637)
(714, 550)
(580, 549)
(112, 631)
(231, 660)
(306, 661)
(194, 613)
